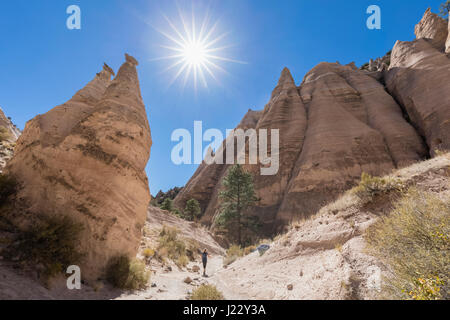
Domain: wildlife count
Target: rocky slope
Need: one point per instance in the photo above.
(325, 257)
(86, 159)
(341, 122)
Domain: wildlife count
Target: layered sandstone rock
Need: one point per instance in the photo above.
(339, 123)
(419, 78)
(86, 159)
(433, 28)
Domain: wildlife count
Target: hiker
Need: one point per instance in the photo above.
(205, 261)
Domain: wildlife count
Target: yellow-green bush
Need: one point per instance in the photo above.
(207, 292)
(371, 187)
(4, 134)
(148, 253)
(414, 241)
(124, 273)
(172, 247)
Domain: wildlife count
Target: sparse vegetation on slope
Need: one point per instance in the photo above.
(172, 247)
(371, 187)
(207, 292)
(414, 241)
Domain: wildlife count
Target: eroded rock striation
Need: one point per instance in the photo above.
(419, 78)
(433, 28)
(338, 123)
(86, 159)
(342, 121)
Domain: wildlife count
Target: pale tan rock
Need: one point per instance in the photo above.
(8, 136)
(339, 123)
(419, 79)
(86, 159)
(447, 43)
(433, 28)
(354, 126)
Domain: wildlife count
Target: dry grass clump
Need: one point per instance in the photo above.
(414, 242)
(4, 134)
(206, 292)
(234, 252)
(371, 187)
(170, 246)
(124, 273)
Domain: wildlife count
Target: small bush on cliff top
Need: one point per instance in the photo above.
(52, 242)
(414, 241)
(371, 187)
(206, 292)
(125, 274)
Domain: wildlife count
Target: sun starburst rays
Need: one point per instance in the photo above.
(198, 52)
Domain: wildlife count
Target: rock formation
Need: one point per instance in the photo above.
(8, 137)
(341, 122)
(419, 78)
(86, 159)
(447, 44)
(433, 28)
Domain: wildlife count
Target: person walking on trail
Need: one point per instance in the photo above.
(205, 255)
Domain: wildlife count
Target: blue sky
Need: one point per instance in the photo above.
(43, 63)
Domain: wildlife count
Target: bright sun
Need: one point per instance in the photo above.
(195, 51)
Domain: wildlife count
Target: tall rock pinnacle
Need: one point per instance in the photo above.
(86, 159)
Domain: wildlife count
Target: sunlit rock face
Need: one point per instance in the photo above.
(338, 123)
(433, 28)
(8, 136)
(419, 78)
(86, 159)
(447, 44)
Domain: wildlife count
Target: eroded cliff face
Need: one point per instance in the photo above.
(86, 159)
(341, 122)
(9, 133)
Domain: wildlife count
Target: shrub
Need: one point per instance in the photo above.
(125, 274)
(8, 187)
(248, 250)
(52, 242)
(148, 253)
(182, 261)
(167, 205)
(192, 210)
(414, 242)
(207, 292)
(233, 253)
(172, 247)
(371, 187)
(235, 250)
(4, 134)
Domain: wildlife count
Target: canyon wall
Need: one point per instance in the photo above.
(339, 123)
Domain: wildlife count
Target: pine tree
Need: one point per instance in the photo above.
(237, 196)
(445, 9)
(192, 210)
(167, 204)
